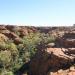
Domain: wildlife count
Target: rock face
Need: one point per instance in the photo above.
(51, 59)
(67, 40)
(14, 37)
(69, 71)
(26, 30)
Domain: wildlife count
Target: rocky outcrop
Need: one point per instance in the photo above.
(14, 37)
(13, 28)
(61, 56)
(9, 32)
(69, 71)
(27, 30)
(51, 59)
(15, 33)
(2, 27)
(23, 32)
(67, 40)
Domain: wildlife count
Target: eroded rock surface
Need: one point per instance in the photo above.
(67, 40)
(51, 59)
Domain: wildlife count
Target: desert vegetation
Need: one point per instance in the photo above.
(13, 56)
(35, 50)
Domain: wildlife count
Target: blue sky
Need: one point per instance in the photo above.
(37, 12)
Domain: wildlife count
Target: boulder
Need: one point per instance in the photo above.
(50, 44)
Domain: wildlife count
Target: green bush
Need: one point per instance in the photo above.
(28, 48)
(8, 55)
(6, 73)
(9, 73)
(5, 58)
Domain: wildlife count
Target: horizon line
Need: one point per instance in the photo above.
(45, 25)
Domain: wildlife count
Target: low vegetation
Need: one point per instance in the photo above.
(13, 56)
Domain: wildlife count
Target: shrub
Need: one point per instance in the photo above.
(4, 72)
(28, 48)
(5, 58)
(8, 55)
(9, 73)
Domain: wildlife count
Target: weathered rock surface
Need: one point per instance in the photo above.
(67, 40)
(51, 59)
(64, 72)
(14, 37)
